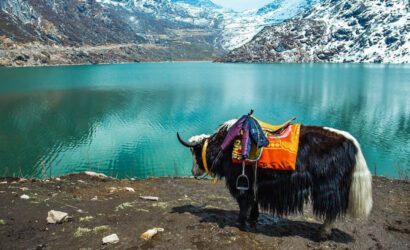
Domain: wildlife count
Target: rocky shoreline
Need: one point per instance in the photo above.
(194, 214)
(35, 54)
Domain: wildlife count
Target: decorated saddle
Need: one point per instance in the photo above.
(279, 153)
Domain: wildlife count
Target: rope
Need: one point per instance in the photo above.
(216, 160)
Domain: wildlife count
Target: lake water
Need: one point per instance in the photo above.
(122, 119)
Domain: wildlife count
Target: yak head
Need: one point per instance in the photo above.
(196, 143)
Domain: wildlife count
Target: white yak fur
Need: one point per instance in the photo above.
(360, 195)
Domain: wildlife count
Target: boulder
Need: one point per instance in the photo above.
(99, 175)
(150, 198)
(25, 197)
(56, 217)
(150, 233)
(111, 239)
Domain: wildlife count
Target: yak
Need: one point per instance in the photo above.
(331, 174)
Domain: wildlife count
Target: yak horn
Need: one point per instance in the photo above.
(186, 144)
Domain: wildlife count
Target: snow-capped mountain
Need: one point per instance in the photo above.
(199, 3)
(335, 31)
(200, 22)
(231, 28)
(240, 27)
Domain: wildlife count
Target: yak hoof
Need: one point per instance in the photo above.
(253, 221)
(252, 225)
(241, 224)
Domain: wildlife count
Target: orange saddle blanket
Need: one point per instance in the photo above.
(280, 154)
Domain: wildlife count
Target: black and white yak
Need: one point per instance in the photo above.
(331, 172)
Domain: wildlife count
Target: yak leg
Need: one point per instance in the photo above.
(244, 206)
(253, 216)
(325, 230)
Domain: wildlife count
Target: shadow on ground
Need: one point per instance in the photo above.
(267, 225)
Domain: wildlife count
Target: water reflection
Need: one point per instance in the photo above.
(122, 119)
(38, 127)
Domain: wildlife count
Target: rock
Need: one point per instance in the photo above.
(150, 233)
(94, 198)
(129, 189)
(58, 179)
(2, 222)
(23, 189)
(3, 182)
(150, 198)
(22, 180)
(25, 197)
(20, 58)
(81, 181)
(56, 217)
(111, 239)
(99, 175)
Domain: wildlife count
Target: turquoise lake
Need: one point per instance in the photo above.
(122, 119)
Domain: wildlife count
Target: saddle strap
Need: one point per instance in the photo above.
(255, 179)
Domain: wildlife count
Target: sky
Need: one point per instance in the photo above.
(242, 4)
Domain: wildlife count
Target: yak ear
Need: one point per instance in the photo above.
(186, 144)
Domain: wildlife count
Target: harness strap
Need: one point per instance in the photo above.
(205, 163)
(255, 180)
(255, 176)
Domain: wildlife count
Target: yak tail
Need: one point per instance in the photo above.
(360, 195)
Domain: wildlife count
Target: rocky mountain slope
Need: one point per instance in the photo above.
(240, 27)
(186, 29)
(66, 22)
(335, 31)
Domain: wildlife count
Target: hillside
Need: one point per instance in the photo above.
(44, 32)
(375, 31)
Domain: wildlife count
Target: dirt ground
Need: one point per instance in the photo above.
(195, 214)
